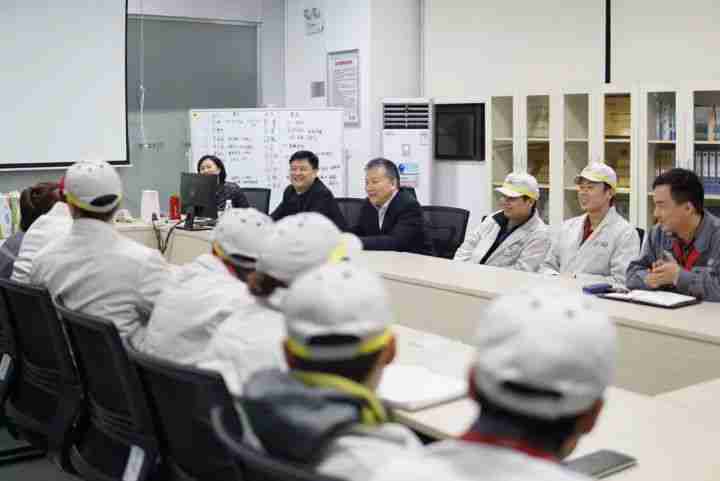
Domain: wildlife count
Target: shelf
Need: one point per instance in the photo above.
(670, 142)
(620, 190)
(617, 141)
(538, 139)
(707, 142)
(544, 186)
(712, 196)
(577, 140)
(502, 139)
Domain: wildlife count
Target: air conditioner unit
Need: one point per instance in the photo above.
(407, 142)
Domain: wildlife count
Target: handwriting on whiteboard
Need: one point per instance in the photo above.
(256, 144)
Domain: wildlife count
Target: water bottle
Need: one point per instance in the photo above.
(228, 208)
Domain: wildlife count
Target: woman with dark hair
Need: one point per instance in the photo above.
(212, 165)
(34, 202)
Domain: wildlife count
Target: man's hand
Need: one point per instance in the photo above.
(663, 273)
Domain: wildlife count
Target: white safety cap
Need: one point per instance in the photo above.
(544, 353)
(300, 242)
(241, 232)
(517, 184)
(93, 186)
(598, 172)
(340, 299)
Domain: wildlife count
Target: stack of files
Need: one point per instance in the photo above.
(668, 300)
(707, 167)
(412, 388)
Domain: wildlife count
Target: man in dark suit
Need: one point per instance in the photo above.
(307, 193)
(390, 219)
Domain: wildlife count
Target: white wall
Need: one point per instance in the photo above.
(246, 10)
(387, 37)
(665, 41)
(477, 49)
(272, 53)
(347, 27)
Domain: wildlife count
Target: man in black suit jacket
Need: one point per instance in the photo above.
(307, 193)
(390, 219)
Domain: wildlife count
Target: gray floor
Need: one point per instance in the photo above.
(35, 470)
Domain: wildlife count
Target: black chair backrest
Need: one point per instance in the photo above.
(350, 208)
(181, 398)
(119, 440)
(258, 197)
(47, 398)
(409, 190)
(641, 234)
(8, 351)
(255, 465)
(446, 228)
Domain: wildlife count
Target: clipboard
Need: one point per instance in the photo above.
(663, 299)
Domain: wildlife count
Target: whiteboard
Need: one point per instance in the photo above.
(256, 144)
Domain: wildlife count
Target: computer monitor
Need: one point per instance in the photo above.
(198, 196)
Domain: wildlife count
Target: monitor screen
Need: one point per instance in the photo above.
(199, 192)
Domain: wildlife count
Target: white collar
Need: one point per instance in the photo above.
(60, 209)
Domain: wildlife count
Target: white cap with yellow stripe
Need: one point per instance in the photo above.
(341, 300)
(93, 186)
(243, 233)
(599, 172)
(301, 242)
(518, 184)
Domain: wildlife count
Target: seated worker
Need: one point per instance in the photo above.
(34, 202)
(544, 360)
(324, 412)
(306, 192)
(94, 269)
(598, 245)
(251, 338)
(208, 290)
(49, 227)
(514, 237)
(212, 165)
(390, 219)
(682, 252)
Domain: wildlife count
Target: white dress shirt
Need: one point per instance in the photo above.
(382, 210)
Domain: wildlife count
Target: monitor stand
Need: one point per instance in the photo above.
(194, 223)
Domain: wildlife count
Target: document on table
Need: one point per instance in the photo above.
(653, 298)
(415, 387)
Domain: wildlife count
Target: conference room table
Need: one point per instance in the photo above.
(438, 304)
(671, 441)
(661, 350)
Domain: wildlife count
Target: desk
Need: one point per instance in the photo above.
(670, 441)
(661, 350)
(184, 246)
(702, 398)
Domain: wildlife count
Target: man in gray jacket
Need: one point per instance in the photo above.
(682, 252)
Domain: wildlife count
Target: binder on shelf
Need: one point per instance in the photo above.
(702, 117)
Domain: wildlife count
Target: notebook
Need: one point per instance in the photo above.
(412, 388)
(668, 300)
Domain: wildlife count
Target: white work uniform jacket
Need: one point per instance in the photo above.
(464, 461)
(362, 451)
(47, 228)
(603, 257)
(98, 271)
(190, 308)
(523, 250)
(249, 340)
